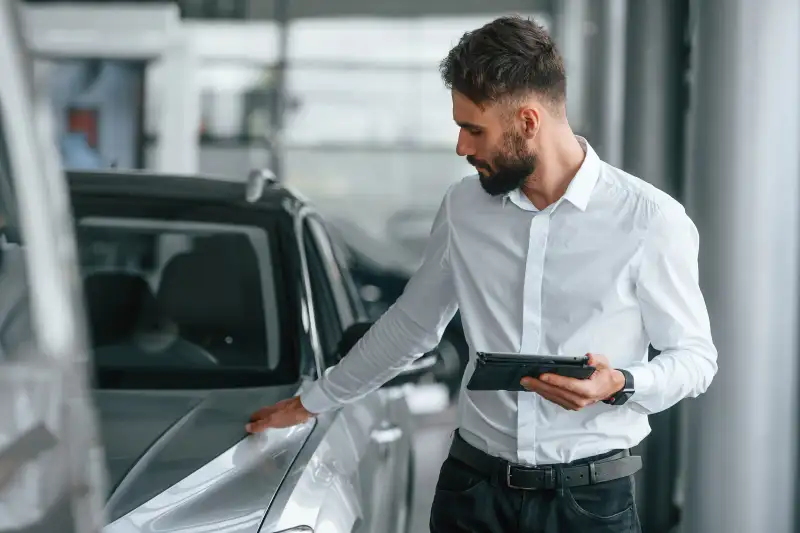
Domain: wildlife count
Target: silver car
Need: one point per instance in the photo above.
(206, 300)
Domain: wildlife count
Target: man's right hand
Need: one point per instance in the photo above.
(285, 413)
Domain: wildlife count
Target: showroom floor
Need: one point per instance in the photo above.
(431, 441)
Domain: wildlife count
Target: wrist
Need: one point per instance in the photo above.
(298, 404)
(623, 389)
(616, 385)
(617, 382)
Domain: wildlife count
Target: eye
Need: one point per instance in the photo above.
(475, 133)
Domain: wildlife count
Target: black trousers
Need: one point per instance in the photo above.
(468, 501)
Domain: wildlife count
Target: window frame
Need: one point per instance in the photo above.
(329, 320)
(8, 201)
(343, 258)
(336, 272)
(5, 152)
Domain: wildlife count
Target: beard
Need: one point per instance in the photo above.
(510, 168)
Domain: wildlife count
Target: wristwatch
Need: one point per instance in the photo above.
(623, 394)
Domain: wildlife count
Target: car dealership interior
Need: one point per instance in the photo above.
(205, 205)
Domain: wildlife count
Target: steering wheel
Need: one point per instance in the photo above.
(199, 351)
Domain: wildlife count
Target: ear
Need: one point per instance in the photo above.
(531, 121)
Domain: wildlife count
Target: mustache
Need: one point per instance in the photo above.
(477, 163)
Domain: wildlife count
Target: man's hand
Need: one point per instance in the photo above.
(285, 413)
(575, 394)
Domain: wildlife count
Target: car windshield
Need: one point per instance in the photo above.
(191, 297)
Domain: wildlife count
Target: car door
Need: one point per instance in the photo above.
(50, 457)
(383, 465)
(399, 428)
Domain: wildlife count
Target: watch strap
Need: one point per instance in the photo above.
(627, 390)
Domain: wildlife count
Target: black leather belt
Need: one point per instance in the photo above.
(614, 466)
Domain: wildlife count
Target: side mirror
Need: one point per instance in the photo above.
(423, 365)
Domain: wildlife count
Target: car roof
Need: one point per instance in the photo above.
(179, 186)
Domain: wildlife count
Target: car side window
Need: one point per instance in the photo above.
(336, 275)
(7, 201)
(5, 163)
(328, 321)
(343, 261)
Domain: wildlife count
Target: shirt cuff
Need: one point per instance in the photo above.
(316, 401)
(643, 380)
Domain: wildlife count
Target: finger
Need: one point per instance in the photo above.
(265, 412)
(559, 400)
(276, 420)
(261, 413)
(575, 386)
(597, 360)
(550, 391)
(268, 410)
(564, 404)
(259, 425)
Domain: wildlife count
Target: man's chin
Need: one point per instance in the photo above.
(490, 187)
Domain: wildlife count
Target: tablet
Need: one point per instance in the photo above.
(504, 371)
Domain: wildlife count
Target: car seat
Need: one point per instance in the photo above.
(124, 320)
(214, 294)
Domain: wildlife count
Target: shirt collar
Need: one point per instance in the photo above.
(580, 188)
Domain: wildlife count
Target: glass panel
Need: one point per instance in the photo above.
(99, 107)
(361, 189)
(181, 295)
(5, 162)
(372, 81)
(327, 317)
(344, 261)
(215, 9)
(368, 106)
(237, 101)
(420, 41)
(237, 119)
(370, 137)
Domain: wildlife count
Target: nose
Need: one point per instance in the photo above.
(464, 146)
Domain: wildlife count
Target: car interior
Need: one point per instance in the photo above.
(186, 295)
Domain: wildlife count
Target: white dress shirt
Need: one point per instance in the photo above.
(609, 268)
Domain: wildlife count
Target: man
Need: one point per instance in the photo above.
(548, 250)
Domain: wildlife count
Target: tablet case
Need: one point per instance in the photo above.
(496, 372)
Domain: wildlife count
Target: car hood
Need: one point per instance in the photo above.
(182, 458)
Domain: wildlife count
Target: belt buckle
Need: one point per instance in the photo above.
(549, 477)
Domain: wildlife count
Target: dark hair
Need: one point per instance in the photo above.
(505, 58)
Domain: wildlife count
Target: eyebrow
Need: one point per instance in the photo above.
(469, 125)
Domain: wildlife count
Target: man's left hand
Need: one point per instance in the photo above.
(575, 394)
